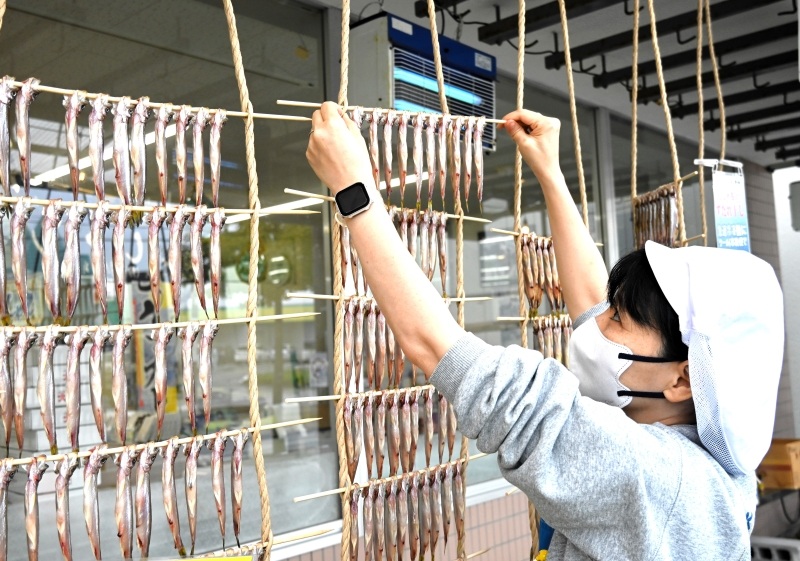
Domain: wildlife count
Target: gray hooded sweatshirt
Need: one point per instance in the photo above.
(611, 488)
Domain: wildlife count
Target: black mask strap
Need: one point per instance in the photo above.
(640, 358)
(653, 395)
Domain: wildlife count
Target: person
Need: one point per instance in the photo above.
(647, 448)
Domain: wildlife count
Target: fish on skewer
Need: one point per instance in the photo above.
(425, 245)
(73, 104)
(182, 121)
(237, 494)
(558, 354)
(119, 381)
(566, 327)
(416, 156)
(19, 263)
(372, 313)
(380, 517)
(469, 124)
(189, 334)
(24, 99)
(100, 106)
(394, 433)
(443, 133)
(91, 506)
(7, 340)
(121, 220)
(354, 496)
(174, 255)
(77, 341)
(477, 146)
(71, 264)
(64, 470)
(357, 272)
(459, 501)
(451, 431)
(426, 516)
(161, 337)
(548, 273)
(369, 524)
(101, 335)
(436, 510)
(441, 234)
(144, 505)
(405, 432)
(349, 317)
(559, 297)
(537, 245)
(447, 501)
(215, 256)
(374, 151)
(207, 336)
(5, 317)
(163, 117)
(154, 221)
(380, 432)
(123, 511)
(35, 470)
(217, 447)
(539, 328)
(413, 219)
(388, 126)
(170, 452)
(391, 526)
(361, 304)
(430, 155)
(402, 153)
(402, 516)
(391, 346)
(347, 417)
(358, 430)
(200, 121)
(432, 228)
(7, 472)
(443, 407)
(348, 280)
(25, 340)
(414, 528)
(458, 124)
(412, 454)
(192, 452)
(141, 112)
(52, 289)
(7, 90)
(100, 221)
(369, 434)
(198, 222)
(215, 152)
(428, 426)
(45, 386)
(380, 362)
(122, 161)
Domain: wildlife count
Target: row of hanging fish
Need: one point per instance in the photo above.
(429, 151)
(388, 424)
(552, 335)
(541, 272)
(414, 511)
(656, 217)
(134, 509)
(17, 343)
(129, 147)
(67, 270)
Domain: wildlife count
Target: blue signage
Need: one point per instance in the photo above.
(730, 210)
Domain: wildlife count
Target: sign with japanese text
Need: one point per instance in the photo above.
(730, 210)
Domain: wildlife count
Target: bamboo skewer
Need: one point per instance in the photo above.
(313, 398)
(336, 298)
(515, 234)
(478, 553)
(645, 197)
(145, 326)
(156, 105)
(161, 444)
(386, 479)
(315, 105)
(258, 545)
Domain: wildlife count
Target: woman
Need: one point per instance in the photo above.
(648, 451)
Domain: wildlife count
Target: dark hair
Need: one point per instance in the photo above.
(633, 289)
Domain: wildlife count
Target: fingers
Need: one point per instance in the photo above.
(330, 110)
(316, 119)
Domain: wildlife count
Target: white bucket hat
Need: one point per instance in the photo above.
(730, 307)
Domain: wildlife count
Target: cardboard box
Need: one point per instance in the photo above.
(780, 468)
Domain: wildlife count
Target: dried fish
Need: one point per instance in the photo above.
(414, 534)
(161, 337)
(425, 245)
(380, 362)
(154, 221)
(548, 274)
(566, 328)
(71, 265)
(100, 221)
(181, 123)
(441, 233)
(100, 105)
(141, 113)
(170, 496)
(405, 433)
(122, 159)
(402, 516)
(198, 222)
(436, 510)
(413, 219)
(7, 90)
(459, 500)
(91, 506)
(394, 433)
(469, 124)
(412, 454)
(369, 524)
(163, 116)
(442, 426)
(210, 330)
(428, 426)
(217, 447)
(24, 99)
(174, 255)
(64, 470)
(380, 517)
(358, 431)
(557, 340)
(5, 318)
(391, 528)
(369, 434)
(144, 506)
(380, 432)
(236, 480)
(73, 104)
(451, 431)
(7, 340)
(447, 501)
(430, 155)
(374, 152)
(477, 146)
(416, 155)
(347, 416)
(559, 297)
(548, 337)
(200, 121)
(123, 511)
(458, 124)
(119, 381)
(432, 228)
(372, 313)
(402, 153)
(45, 386)
(72, 393)
(391, 346)
(35, 471)
(426, 516)
(361, 304)
(348, 280)
(7, 471)
(101, 335)
(215, 152)
(52, 289)
(215, 257)
(349, 316)
(122, 218)
(19, 263)
(354, 496)
(388, 126)
(189, 334)
(25, 340)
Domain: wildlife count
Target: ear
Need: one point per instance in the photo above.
(679, 389)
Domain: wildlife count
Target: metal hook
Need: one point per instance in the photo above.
(758, 86)
(682, 41)
(724, 65)
(792, 11)
(629, 11)
(585, 70)
(533, 44)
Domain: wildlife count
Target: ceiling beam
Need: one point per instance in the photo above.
(753, 94)
(757, 115)
(757, 130)
(539, 18)
(726, 74)
(762, 37)
(762, 145)
(421, 6)
(669, 25)
(785, 154)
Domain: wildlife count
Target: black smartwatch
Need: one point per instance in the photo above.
(353, 200)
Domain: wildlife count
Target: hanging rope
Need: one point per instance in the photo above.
(635, 112)
(574, 112)
(717, 83)
(2, 12)
(252, 292)
(701, 138)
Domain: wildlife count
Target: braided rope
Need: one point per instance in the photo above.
(676, 170)
(252, 292)
(635, 113)
(562, 8)
(345, 54)
(717, 83)
(2, 12)
(701, 136)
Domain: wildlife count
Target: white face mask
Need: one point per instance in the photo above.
(598, 364)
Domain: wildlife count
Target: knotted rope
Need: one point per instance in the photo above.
(635, 111)
(717, 83)
(701, 137)
(2, 12)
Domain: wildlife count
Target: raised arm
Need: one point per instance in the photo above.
(580, 266)
(414, 309)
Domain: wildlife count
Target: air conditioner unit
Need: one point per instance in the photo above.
(391, 65)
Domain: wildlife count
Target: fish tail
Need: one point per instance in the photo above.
(53, 449)
(182, 551)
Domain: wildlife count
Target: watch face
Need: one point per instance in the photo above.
(352, 199)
